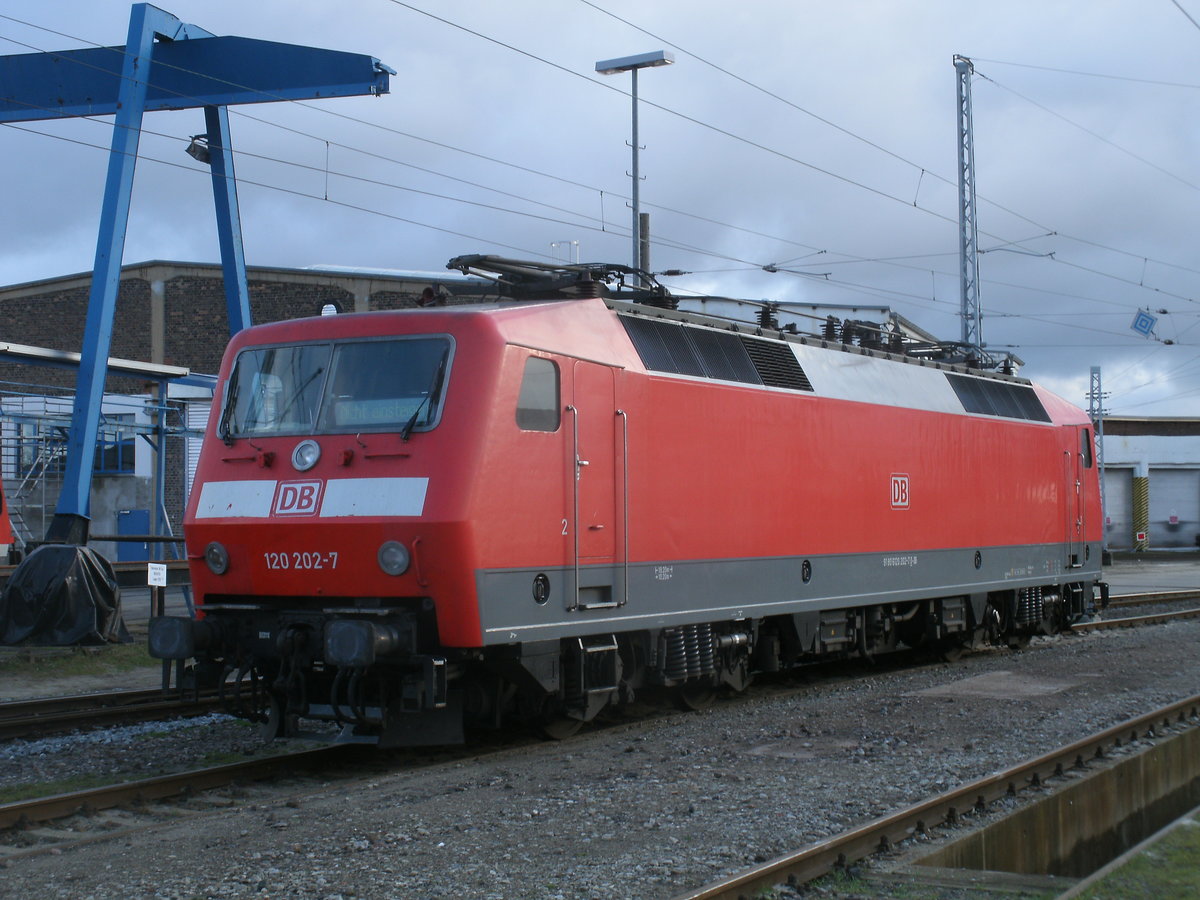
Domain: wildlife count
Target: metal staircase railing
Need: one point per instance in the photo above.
(33, 500)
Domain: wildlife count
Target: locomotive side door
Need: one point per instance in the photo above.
(594, 519)
(1077, 460)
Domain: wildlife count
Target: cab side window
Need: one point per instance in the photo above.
(1085, 447)
(538, 403)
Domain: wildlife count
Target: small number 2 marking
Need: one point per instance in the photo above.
(564, 531)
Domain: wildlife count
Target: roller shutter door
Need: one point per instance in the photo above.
(197, 421)
(1174, 507)
(1118, 508)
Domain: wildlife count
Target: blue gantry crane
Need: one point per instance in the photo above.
(165, 64)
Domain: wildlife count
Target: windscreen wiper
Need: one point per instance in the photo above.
(223, 426)
(434, 389)
(297, 394)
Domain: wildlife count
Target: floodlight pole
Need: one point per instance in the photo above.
(631, 64)
(636, 226)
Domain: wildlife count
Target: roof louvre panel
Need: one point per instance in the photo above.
(998, 398)
(776, 364)
(666, 346)
(723, 356)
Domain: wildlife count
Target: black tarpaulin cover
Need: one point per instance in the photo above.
(62, 595)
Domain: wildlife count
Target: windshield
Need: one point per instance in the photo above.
(391, 385)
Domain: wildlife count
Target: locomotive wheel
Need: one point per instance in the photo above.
(952, 652)
(274, 726)
(695, 695)
(559, 727)
(992, 625)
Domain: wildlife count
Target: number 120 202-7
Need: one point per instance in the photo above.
(301, 560)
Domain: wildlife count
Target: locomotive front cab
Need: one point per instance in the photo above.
(314, 536)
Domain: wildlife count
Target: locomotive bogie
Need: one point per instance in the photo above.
(554, 506)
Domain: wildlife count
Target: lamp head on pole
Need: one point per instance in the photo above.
(639, 61)
(631, 64)
(198, 149)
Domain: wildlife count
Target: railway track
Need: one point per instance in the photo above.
(1135, 621)
(56, 715)
(1154, 618)
(823, 857)
(27, 813)
(67, 713)
(55, 823)
(1174, 596)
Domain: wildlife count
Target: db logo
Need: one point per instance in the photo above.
(297, 498)
(899, 492)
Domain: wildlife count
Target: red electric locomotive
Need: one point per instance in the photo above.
(407, 521)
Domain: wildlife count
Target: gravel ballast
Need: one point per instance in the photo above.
(643, 809)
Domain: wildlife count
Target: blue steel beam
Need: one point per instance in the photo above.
(71, 515)
(165, 64)
(229, 222)
(183, 74)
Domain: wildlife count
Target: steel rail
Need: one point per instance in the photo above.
(44, 809)
(1154, 597)
(821, 858)
(1134, 621)
(38, 706)
(54, 715)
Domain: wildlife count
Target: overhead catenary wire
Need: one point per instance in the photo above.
(836, 283)
(690, 248)
(663, 241)
(251, 117)
(297, 193)
(1186, 14)
(1107, 75)
(1154, 382)
(539, 172)
(923, 170)
(1093, 133)
(590, 80)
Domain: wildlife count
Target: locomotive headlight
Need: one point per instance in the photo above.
(393, 558)
(217, 558)
(305, 456)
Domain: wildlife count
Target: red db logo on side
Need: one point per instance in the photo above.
(899, 492)
(297, 498)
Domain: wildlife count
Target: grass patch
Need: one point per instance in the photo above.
(844, 886)
(65, 662)
(19, 792)
(1170, 868)
(223, 758)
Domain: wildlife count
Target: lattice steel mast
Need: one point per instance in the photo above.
(968, 243)
(1096, 413)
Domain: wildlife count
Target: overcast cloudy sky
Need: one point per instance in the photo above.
(818, 137)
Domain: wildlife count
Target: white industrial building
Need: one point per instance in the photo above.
(1151, 483)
